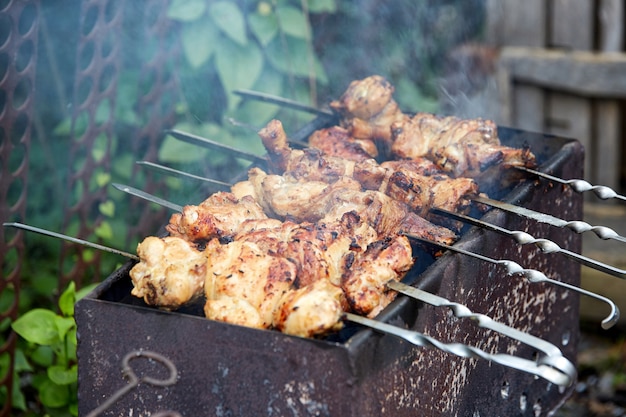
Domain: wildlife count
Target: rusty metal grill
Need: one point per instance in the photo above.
(359, 372)
(18, 37)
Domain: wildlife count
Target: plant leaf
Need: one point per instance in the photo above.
(67, 300)
(63, 376)
(292, 21)
(37, 326)
(228, 17)
(199, 40)
(64, 324)
(186, 10)
(53, 395)
(264, 27)
(107, 208)
(292, 58)
(104, 231)
(238, 67)
(176, 151)
(321, 6)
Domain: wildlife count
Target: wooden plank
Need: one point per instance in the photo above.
(572, 117)
(588, 74)
(516, 23)
(607, 130)
(611, 30)
(572, 24)
(529, 107)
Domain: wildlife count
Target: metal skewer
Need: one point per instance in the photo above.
(563, 372)
(269, 98)
(176, 173)
(211, 144)
(556, 369)
(545, 245)
(577, 226)
(70, 239)
(532, 275)
(580, 186)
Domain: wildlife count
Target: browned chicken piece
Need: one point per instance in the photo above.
(461, 148)
(453, 194)
(312, 310)
(219, 215)
(170, 273)
(244, 284)
(336, 141)
(400, 181)
(364, 282)
(314, 201)
(369, 110)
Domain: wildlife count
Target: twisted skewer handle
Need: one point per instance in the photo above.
(577, 226)
(580, 186)
(533, 276)
(555, 369)
(544, 245)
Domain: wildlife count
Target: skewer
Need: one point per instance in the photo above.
(532, 275)
(545, 245)
(580, 186)
(284, 102)
(555, 369)
(70, 239)
(577, 226)
(562, 371)
(181, 174)
(211, 144)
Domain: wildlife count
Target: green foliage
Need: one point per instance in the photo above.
(46, 355)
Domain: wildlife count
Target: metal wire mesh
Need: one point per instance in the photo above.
(18, 38)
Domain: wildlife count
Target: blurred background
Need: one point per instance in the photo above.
(88, 87)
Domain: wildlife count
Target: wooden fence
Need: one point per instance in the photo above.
(561, 69)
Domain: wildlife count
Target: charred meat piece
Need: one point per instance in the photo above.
(314, 201)
(401, 181)
(459, 147)
(368, 110)
(336, 141)
(171, 272)
(219, 215)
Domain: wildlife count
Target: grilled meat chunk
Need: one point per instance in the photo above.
(171, 272)
(364, 282)
(400, 181)
(369, 110)
(219, 215)
(336, 141)
(314, 201)
(461, 148)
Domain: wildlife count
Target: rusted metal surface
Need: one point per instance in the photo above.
(18, 38)
(231, 370)
(95, 88)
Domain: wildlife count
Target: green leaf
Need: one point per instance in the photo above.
(107, 208)
(293, 21)
(199, 41)
(293, 58)
(85, 290)
(322, 6)
(238, 67)
(104, 231)
(67, 300)
(43, 355)
(20, 362)
(228, 17)
(264, 27)
(186, 10)
(63, 376)
(53, 395)
(103, 178)
(38, 326)
(64, 324)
